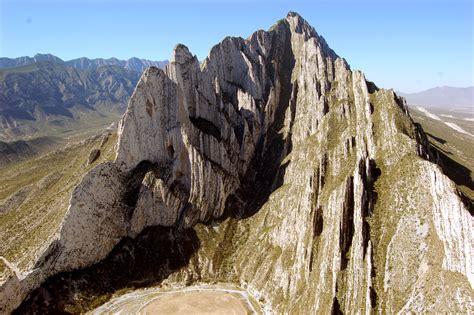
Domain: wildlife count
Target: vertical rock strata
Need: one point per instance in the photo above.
(319, 182)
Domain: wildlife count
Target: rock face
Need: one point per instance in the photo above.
(320, 181)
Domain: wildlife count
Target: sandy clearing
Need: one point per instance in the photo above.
(428, 114)
(447, 116)
(450, 124)
(198, 299)
(457, 128)
(198, 303)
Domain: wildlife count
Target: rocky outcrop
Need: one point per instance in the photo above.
(93, 156)
(319, 180)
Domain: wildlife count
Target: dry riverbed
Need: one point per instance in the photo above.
(198, 299)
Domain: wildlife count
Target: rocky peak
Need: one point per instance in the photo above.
(300, 26)
(181, 54)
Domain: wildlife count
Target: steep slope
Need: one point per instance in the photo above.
(453, 150)
(132, 64)
(47, 98)
(34, 196)
(274, 166)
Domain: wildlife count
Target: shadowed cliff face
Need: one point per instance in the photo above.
(141, 262)
(311, 182)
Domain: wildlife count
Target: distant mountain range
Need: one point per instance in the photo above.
(44, 95)
(134, 64)
(446, 97)
(49, 98)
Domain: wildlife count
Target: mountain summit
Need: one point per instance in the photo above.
(302, 182)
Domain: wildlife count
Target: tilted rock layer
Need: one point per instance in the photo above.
(317, 183)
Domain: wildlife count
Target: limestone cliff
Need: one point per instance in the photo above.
(316, 184)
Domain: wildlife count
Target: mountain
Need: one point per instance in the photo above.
(47, 98)
(133, 64)
(272, 166)
(24, 61)
(445, 97)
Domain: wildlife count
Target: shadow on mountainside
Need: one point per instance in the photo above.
(266, 172)
(459, 174)
(440, 140)
(134, 263)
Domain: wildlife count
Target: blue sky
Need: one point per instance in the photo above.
(401, 44)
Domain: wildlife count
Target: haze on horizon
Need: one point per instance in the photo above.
(405, 45)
